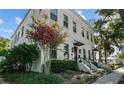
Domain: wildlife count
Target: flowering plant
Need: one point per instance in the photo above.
(47, 35)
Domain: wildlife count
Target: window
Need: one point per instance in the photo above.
(74, 26)
(53, 54)
(79, 51)
(72, 49)
(22, 31)
(89, 54)
(18, 35)
(87, 35)
(15, 39)
(84, 54)
(66, 51)
(82, 31)
(91, 38)
(53, 14)
(65, 22)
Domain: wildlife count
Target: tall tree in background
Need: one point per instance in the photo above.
(99, 36)
(121, 12)
(109, 31)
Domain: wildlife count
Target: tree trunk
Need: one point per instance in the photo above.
(46, 59)
(105, 52)
(42, 61)
(100, 55)
(24, 66)
(105, 56)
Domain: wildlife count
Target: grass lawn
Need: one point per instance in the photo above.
(32, 78)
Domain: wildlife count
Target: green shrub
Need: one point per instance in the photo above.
(32, 78)
(21, 55)
(3, 66)
(62, 65)
(6, 66)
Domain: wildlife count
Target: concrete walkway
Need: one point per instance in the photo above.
(1, 81)
(111, 78)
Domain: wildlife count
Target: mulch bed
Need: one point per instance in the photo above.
(68, 75)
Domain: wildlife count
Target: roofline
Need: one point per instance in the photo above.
(21, 22)
(75, 12)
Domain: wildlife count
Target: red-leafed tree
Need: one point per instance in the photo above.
(46, 35)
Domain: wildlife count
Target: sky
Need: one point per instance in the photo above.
(10, 19)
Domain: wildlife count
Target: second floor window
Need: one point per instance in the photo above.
(91, 38)
(87, 35)
(22, 31)
(74, 26)
(53, 14)
(18, 35)
(65, 22)
(82, 29)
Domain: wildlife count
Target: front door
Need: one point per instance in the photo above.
(75, 53)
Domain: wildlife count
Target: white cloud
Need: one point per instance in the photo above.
(1, 21)
(80, 12)
(18, 20)
(6, 30)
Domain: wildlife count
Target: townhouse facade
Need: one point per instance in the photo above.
(80, 40)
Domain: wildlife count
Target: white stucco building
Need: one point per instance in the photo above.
(79, 43)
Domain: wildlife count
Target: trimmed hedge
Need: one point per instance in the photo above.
(62, 65)
(32, 78)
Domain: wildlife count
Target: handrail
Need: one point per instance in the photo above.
(86, 61)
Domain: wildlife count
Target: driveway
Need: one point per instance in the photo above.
(112, 78)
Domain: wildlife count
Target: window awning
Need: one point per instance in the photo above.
(94, 49)
(77, 43)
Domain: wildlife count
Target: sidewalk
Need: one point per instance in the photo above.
(111, 78)
(1, 81)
